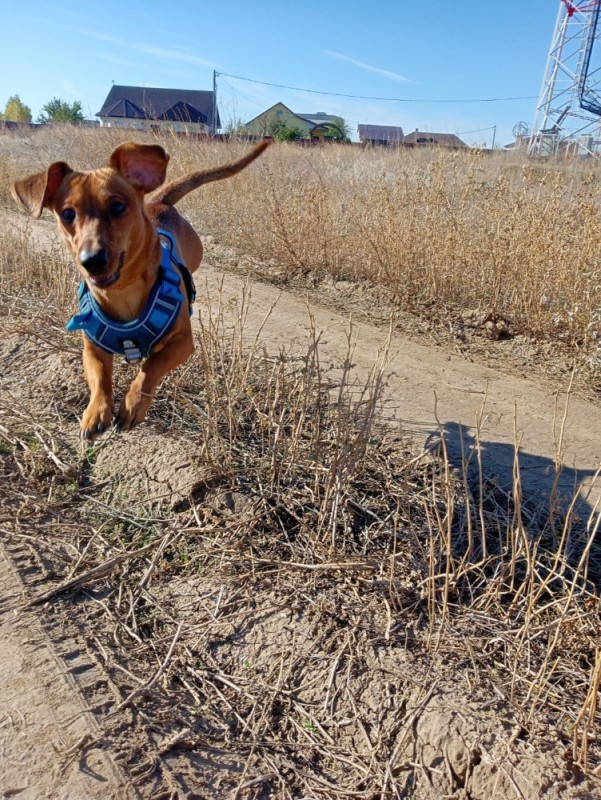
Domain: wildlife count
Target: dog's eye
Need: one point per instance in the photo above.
(68, 215)
(117, 208)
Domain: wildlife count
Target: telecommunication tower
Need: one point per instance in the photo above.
(568, 114)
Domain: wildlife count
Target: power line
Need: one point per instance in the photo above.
(370, 97)
(245, 96)
(477, 130)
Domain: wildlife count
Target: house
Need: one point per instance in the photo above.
(422, 139)
(312, 126)
(384, 135)
(145, 108)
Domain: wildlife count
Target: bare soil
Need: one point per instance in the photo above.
(86, 707)
(520, 391)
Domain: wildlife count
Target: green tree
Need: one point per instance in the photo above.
(60, 111)
(236, 127)
(16, 110)
(284, 133)
(338, 132)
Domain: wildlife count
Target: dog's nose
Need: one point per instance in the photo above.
(94, 261)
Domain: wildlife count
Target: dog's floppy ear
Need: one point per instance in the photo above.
(35, 193)
(143, 165)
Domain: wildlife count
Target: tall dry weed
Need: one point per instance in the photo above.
(513, 239)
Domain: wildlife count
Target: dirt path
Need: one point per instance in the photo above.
(426, 382)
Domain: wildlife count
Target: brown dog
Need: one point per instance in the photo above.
(110, 226)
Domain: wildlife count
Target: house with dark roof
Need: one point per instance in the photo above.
(311, 125)
(422, 139)
(145, 108)
(382, 135)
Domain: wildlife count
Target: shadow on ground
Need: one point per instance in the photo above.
(547, 493)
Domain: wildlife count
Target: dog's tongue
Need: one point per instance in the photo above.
(101, 280)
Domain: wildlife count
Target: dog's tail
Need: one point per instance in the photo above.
(172, 193)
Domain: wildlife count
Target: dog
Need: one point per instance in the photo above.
(135, 253)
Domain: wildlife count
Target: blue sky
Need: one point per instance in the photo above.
(417, 52)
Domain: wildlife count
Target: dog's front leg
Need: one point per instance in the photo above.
(137, 400)
(98, 369)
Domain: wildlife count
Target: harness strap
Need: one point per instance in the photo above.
(185, 272)
(135, 339)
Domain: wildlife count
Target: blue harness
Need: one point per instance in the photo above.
(135, 339)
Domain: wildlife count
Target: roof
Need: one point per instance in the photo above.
(434, 139)
(267, 110)
(144, 102)
(319, 118)
(380, 133)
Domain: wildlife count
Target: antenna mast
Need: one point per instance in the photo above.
(568, 114)
(214, 106)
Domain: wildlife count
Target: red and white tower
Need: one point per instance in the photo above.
(568, 114)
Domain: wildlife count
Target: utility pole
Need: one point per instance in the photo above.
(214, 109)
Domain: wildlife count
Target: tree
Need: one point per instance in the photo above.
(60, 111)
(16, 111)
(236, 127)
(338, 132)
(283, 133)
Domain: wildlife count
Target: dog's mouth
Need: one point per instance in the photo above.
(102, 281)
(105, 280)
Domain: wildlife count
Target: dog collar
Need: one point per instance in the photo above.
(135, 339)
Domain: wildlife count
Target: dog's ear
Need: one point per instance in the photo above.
(143, 165)
(35, 193)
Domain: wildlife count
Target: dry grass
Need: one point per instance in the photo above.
(518, 241)
(320, 583)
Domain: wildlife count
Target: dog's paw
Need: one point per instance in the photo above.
(133, 409)
(96, 419)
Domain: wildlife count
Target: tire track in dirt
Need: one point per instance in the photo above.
(62, 733)
(50, 743)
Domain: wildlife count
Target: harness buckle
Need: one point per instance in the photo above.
(131, 351)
